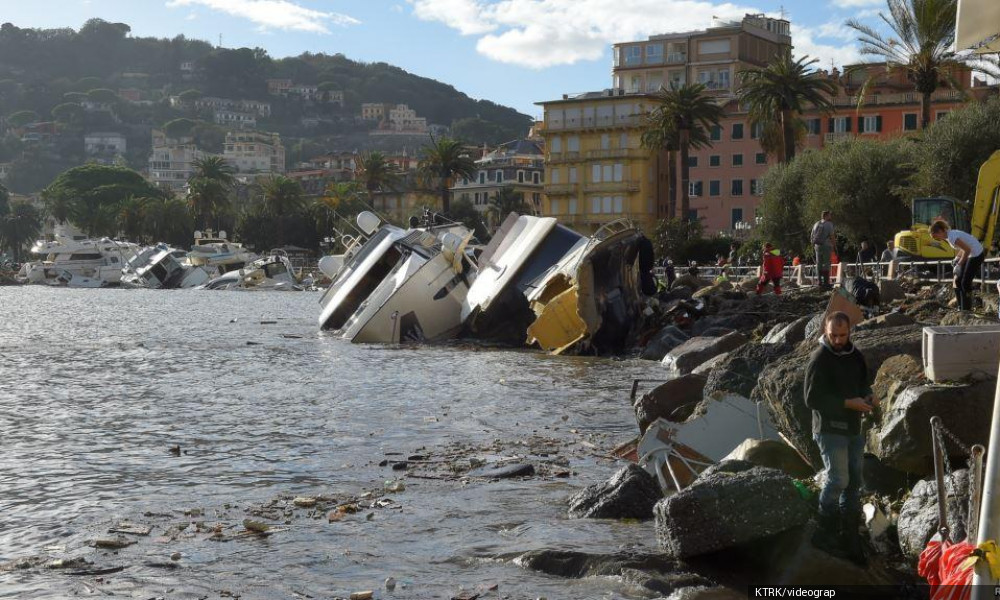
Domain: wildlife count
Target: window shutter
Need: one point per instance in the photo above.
(830, 125)
(861, 125)
(878, 123)
(847, 123)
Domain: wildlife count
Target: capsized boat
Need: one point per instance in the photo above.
(218, 255)
(524, 247)
(162, 267)
(400, 284)
(272, 272)
(78, 262)
(589, 300)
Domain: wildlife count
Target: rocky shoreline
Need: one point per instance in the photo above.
(746, 522)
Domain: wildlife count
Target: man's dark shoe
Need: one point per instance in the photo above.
(828, 537)
(853, 543)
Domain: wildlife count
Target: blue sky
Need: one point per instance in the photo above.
(514, 52)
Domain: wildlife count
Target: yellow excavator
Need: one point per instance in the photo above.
(917, 244)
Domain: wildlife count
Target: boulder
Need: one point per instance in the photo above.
(730, 322)
(773, 455)
(723, 510)
(962, 317)
(630, 494)
(706, 367)
(924, 311)
(918, 519)
(689, 281)
(715, 331)
(666, 340)
(895, 375)
(674, 400)
(780, 385)
(649, 572)
(715, 288)
(788, 333)
(690, 354)
(738, 372)
(890, 290)
(903, 440)
(883, 480)
(814, 327)
(893, 319)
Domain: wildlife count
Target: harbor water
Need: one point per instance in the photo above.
(174, 407)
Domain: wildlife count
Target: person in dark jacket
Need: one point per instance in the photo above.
(866, 254)
(837, 391)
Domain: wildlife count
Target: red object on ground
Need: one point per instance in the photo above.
(941, 565)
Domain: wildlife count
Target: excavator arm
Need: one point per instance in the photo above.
(986, 206)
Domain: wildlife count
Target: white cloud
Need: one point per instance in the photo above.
(191, 16)
(857, 3)
(544, 33)
(274, 14)
(804, 40)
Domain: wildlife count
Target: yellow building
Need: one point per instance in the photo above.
(596, 171)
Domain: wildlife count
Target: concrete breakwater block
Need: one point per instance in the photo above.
(725, 509)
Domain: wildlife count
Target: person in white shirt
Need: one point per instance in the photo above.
(969, 256)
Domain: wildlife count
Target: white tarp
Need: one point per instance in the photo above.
(978, 26)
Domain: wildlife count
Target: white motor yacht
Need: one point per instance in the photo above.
(78, 262)
(523, 248)
(218, 255)
(400, 285)
(162, 267)
(273, 272)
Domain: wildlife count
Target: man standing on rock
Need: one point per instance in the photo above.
(823, 243)
(837, 391)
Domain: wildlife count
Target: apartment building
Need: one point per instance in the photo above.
(254, 152)
(261, 109)
(104, 147)
(595, 170)
(172, 162)
(518, 165)
(236, 119)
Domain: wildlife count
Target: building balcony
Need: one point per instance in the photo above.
(561, 189)
(595, 123)
(618, 153)
(676, 57)
(837, 135)
(612, 186)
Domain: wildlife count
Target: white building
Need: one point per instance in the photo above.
(172, 162)
(237, 119)
(4, 171)
(255, 152)
(105, 146)
(261, 109)
(518, 165)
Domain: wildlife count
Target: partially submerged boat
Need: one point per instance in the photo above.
(524, 247)
(162, 267)
(272, 272)
(218, 255)
(76, 262)
(589, 300)
(400, 284)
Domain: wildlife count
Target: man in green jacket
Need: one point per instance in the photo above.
(837, 391)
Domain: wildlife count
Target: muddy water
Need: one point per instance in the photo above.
(97, 386)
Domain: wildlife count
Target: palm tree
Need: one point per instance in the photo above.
(375, 172)
(209, 188)
(779, 91)
(505, 202)
(281, 196)
(444, 160)
(659, 136)
(689, 113)
(923, 32)
(19, 227)
(132, 218)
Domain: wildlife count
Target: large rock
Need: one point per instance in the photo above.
(814, 327)
(732, 322)
(780, 385)
(890, 290)
(690, 354)
(715, 288)
(674, 400)
(924, 311)
(689, 281)
(773, 455)
(893, 319)
(918, 519)
(789, 333)
(650, 572)
(895, 375)
(738, 372)
(666, 340)
(903, 441)
(722, 510)
(706, 367)
(962, 317)
(630, 494)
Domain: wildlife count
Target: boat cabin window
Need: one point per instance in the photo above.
(81, 256)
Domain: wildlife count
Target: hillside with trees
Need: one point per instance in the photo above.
(99, 78)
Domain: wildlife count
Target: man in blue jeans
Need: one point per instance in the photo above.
(837, 391)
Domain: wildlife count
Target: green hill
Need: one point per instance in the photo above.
(49, 74)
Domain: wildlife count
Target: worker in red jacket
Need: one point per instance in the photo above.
(772, 266)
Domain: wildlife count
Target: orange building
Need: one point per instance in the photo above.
(726, 179)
